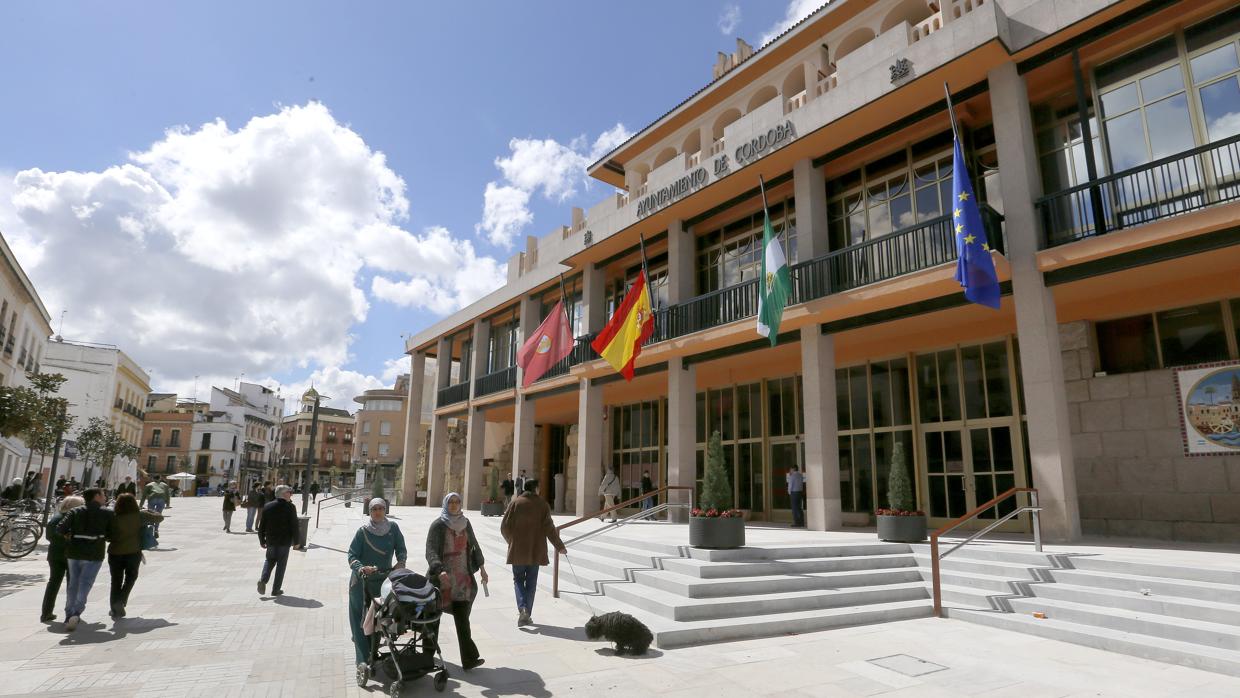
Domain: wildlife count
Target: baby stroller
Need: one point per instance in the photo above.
(402, 643)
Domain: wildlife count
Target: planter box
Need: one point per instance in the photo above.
(716, 533)
(902, 529)
(492, 508)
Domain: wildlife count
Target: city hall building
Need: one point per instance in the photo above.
(1102, 138)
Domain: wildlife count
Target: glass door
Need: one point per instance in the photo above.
(784, 455)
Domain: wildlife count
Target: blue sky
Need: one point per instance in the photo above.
(440, 90)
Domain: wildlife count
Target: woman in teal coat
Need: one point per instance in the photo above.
(371, 552)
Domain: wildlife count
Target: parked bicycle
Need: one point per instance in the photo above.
(18, 536)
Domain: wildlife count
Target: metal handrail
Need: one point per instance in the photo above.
(934, 537)
(349, 494)
(555, 576)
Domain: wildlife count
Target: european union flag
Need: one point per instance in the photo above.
(975, 270)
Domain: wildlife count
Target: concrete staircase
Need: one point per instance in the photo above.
(690, 597)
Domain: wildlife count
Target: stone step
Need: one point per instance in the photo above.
(1208, 575)
(1184, 630)
(698, 588)
(984, 551)
(731, 629)
(994, 568)
(763, 568)
(1172, 606)
(790, 552)
(969, 597)
(971, 580)
(1144, 646)
(1181, 588)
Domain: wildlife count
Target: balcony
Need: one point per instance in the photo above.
(496, 381)
(581, 353)
(453, 394)
(1195, 179)
(120, 402)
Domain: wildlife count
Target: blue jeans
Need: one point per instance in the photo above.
(647, 503)
(249, 517)
(277, 557)
(82, 575)
(798, 513)
(156, 504)
(525, 581)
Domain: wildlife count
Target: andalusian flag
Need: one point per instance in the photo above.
(775, 283)
(621, 340)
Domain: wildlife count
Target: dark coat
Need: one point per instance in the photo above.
(86, 531)
(647, 485)
(56, 543)
(527, 526)
(130, 487)
(435, 539)
(230, 500)
(279, 524)
(508, 487)
(314, 488)
(125, 531)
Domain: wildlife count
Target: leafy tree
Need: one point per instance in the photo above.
(35, 414)
(716, 489)
(99, 442)
(899, 485)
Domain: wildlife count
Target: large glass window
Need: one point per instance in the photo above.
(1192, 335)
(1176, 337)
(636, 445)
(733, 254)
(874, 413)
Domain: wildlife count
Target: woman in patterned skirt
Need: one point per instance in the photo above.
(453, 556)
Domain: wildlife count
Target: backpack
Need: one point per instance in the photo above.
(148, 537)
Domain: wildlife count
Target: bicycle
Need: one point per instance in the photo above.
(18, 537)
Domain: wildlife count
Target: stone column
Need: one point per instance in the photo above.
(1037, 326)
(809, 186)
(475, 440)
(523, 412)
(823, 509)
(593, 298)
(680, 262)
(443, 365)
(589, 446)
(413, 428)
(681, 432)
(436, 457)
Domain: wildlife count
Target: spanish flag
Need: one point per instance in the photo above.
(621, 340)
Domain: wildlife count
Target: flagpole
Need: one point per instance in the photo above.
(766, 211)
(564, 301)
(951, 111)
(641, 241)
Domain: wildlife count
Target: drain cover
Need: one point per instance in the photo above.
(907, 665)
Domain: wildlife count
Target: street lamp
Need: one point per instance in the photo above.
(314, 427)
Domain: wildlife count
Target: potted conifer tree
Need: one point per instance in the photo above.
(714, 523)
(900, 522)
(493, 506)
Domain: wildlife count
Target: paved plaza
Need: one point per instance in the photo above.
(196, 626)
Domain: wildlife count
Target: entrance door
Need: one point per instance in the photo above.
(784, 455)
(967, 467)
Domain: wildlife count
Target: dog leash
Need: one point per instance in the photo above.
(577, 581)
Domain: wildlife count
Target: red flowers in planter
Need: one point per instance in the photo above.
(899, 512)
(717, 513)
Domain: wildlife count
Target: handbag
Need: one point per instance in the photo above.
(148, 537)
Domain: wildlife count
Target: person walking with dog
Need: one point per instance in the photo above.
(609, 490)
(528, 527)
(276, 534)
(370, 558)
(57, 563)
(125, 549)
(85, 529)
(454, 557)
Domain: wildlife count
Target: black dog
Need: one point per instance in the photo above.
(629, 634)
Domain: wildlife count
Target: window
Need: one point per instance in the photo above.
(172, 463)
(1061, 146)
(1145, 106)
(150, 463)
(331, 456)
(234, 446)
(1176, 337)
(365, 427)
(1192, 335)
(156, 436)
(383, 449)
(174, 441)
(365, 449)
(733, 254)
(383, 405)
(385, 428)
(1213, 50)
(873, 412)
(206, 441)
(204, 462)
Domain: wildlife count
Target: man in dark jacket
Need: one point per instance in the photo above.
(277, 532)
(127, 487)
(86, 530)
(527, 526)
(509, 489)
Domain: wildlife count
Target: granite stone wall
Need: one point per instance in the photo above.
(1133, 478)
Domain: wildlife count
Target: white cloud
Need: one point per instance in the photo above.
(533, 166)
(729, 19)
(796, 11)
(220, 250)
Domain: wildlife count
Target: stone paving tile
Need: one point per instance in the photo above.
(197, 627)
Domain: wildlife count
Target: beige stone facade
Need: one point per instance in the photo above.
(333, 444)
(24, 328)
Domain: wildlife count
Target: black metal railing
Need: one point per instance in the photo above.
(706, 311)
(581, 353)
(496, 381)
(1194, 179)
(453, 394)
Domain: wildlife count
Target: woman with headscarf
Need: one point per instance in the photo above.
(56, 559)
(370, 553)
(454, 556)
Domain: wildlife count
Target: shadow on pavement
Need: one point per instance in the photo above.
(578, 633)
(12, 582)
(328, 547)
(611, 652)
(95, 633)
(296, 602)
(500, 681)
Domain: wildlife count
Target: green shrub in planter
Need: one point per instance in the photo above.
(900, 522)
(714, 524)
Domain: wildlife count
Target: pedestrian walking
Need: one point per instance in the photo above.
(314, 491)
(253, 506)
(125, 549)
(509, 488)
(156, 496)
(13, 492)
(30, 486)
(276, 534)
(796, 493)
(231, 497)
(268, 496)
(85, 529)
(520, 483)
(528, 527)
(647, 488)
(370, 558)
(58, 564)
(454, 556)
(609, 490)
(127, 487)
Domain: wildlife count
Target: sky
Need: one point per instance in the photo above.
(279, 192)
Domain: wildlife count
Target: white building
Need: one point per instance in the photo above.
(24, 328)
(259, 409)
(215, 447)
(102, 382)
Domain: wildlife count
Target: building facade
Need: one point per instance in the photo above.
(1102, 138)
(102, 381)
(216, 446)
(333, 443)
(24, 329)
(379, 428)
(166, 438)
(260, 409)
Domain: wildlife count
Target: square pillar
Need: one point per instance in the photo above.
(593, 298)
(809, 186)
(589, 446)
(436, 457)
(414, 434)
(482, 348)
(681, 432)
(523, 412)
(443, 365)
(1037, 325)
(680, 262)
(823, 507)
(475, 442)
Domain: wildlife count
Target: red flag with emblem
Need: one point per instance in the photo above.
(550, 343)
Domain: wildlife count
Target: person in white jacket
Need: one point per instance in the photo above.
(609, 490)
